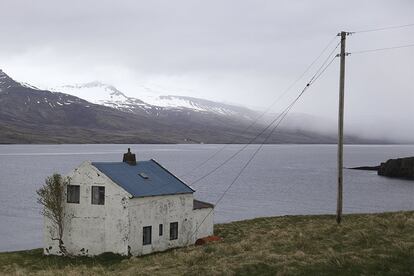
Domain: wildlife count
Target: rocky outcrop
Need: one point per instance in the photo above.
(400, 167)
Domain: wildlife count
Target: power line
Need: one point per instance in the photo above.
(314, 77)
(285, 112)
(384, 28)
(281, 116)
(381, 49)
(267, 109)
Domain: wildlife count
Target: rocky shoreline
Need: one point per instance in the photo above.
(397, 168)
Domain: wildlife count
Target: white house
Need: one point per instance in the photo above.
(127, 208)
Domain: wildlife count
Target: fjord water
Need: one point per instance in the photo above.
(282, 180)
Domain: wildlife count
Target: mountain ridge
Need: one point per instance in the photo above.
(106, 94)
(32, 115)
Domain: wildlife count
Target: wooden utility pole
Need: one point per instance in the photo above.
(341, 127)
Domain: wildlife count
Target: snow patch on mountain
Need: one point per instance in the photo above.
(25, 84)
(107, 95)
(102, 94)
(195, 104)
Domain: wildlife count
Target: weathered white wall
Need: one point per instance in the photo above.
(93, 229)
(206, 228)
(152, 211)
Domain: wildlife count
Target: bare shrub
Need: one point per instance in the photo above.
(51, 197)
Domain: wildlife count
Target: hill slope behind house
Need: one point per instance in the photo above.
(32, 115)
(374, 244)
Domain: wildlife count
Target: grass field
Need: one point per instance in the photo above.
(375, 244)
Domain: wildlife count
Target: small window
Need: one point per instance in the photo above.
(173, 230)
(98, 195)
(160, 229)
(146, 235)
(144, 175)
(73, 194)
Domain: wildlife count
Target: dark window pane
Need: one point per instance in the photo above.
(173, 230)
(160, 229)
(98, 195)
(146, 235)
(73, 193)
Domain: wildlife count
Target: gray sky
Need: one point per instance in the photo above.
(244, 52)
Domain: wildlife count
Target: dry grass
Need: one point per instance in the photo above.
(380, 244)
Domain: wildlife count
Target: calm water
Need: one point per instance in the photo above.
(283, 179)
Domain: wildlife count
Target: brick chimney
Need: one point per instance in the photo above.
(129, 158)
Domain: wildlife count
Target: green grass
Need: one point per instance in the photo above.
(375, 244)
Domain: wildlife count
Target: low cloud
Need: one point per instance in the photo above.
(244, 52)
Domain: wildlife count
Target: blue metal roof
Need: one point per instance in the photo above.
(146, 178)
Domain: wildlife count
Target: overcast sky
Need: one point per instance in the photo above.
(244, 52)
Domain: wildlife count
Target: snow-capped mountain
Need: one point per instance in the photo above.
(32, 115)
(58, 99)
(107, 95)
(103, 94)
(198, 104)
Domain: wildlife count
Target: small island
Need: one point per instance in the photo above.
(398, 168)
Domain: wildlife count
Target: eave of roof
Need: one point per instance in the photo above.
(198, 204)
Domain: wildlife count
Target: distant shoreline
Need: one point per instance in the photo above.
(347, 144)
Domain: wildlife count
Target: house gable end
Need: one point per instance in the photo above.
(109, 180)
